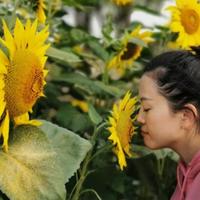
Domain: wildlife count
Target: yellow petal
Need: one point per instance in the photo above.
(5, 131)
(24, 119)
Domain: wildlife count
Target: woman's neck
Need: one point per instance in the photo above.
(188, 147)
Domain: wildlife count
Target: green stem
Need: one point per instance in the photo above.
(13, 16)
(102, 150)
(70, 196)
(83, 171)
(82, 176)
(161, 164)
(105, 77)
(49, 13)
(96, 131)
(93, 191)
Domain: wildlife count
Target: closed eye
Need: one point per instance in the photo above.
(146, 110)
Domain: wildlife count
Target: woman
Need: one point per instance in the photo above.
(169, 115)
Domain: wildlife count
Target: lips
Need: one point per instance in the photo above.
(144, 132)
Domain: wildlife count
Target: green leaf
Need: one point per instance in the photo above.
(162, 153)
(140, 151)
(81, 3)
(67, 57)
(114, 91)
(147, 10)
(88, 2)
(79, 36)
(98, 50)
(74, 120)
(30, 169)
(70, 148)
(94, 115)
(138, 42)
(96, 87)
(38, 164)
(107, 28)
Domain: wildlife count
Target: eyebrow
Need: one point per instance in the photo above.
(145, 98)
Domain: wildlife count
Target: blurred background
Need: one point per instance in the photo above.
(93, 60)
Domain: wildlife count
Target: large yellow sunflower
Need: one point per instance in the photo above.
(121, 127)
(122, 2)
(22, 74)
(185, 21)
(40, 7)
(129, 53)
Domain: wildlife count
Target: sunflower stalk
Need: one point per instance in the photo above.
(83, 175)
(104, 149)
(105, 77)
(84, 171)
(92, 191)
(16, 5)
(49, 11)
(160, 164)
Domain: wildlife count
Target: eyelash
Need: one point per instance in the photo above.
(146, 110)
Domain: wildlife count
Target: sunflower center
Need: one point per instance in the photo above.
(124, 128)
(24, 82)
(190, 20)
(130, 51)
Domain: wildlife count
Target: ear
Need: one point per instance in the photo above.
(189, 115)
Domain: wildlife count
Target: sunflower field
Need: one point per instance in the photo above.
(69, 72)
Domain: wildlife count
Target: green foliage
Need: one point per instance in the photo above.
(42, 160)
(68, 146)
(94, 116)
(74, 119)
(37, 164)
(89, 86)
(67, 57)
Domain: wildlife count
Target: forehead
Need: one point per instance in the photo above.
(148, 88)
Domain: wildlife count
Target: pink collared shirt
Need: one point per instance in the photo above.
(188, 180)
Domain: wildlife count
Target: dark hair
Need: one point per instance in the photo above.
(177, 74)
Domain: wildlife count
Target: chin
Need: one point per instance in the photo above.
(152, 146)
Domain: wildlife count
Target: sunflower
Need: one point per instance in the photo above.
(121, 127)
(40, 7)
(130, 51)
(122, 2)
(185, 21)
(22, 74)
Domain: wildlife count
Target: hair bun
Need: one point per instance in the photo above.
(196, 50)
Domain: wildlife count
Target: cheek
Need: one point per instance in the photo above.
(162, 121)
(154, 118)
(163, 130)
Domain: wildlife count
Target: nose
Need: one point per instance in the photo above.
(140, 117)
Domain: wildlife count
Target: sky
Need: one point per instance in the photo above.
(152, 20)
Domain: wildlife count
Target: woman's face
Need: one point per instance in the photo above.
(160, 126)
